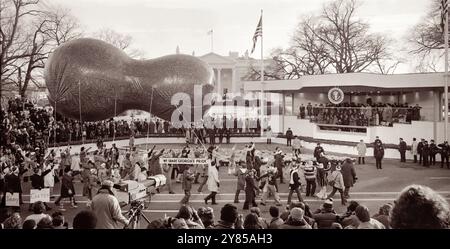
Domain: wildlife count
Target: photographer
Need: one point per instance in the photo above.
(107, 209)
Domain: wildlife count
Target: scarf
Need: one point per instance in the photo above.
(292, 176)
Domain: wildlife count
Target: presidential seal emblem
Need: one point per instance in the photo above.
(335, 95)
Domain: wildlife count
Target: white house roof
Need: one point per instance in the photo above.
(370, 80)
(214, 59)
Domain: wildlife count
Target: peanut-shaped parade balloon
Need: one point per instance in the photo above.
(97, 80)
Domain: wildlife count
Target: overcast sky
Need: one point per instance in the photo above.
(158, 26)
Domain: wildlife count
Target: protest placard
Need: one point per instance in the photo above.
(40, 195)
(12, 200)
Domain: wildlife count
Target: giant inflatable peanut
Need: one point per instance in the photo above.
(105, 81)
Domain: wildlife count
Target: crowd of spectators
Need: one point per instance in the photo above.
(29, 126)
(353, 114)
(413, 201)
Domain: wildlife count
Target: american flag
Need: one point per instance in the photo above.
(444, 9)
(258, 32)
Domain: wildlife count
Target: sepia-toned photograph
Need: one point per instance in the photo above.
(224, 114)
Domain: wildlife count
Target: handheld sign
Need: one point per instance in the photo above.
(40, 195)
(194, 161)
(12, 200)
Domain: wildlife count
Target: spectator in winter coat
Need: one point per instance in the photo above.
(420, 207)
(296, 220)
(349, 176)
(338, 184)
(276, 221)
(383, 215)
(361, 148)
(107, 209)
(325, 217)
(363, 214)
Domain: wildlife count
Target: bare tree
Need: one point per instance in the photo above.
(121, 41)
(335, 41)
(29, 34)
(427, 40)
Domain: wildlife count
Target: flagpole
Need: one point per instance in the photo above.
(446, 75)
(262, 79)
(212, 41)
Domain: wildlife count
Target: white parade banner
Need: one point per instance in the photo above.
(12, 200)
(40, 195)
(194, 161)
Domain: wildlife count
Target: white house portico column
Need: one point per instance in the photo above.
(219, 83)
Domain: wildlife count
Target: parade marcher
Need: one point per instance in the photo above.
(294, 184)
(241, 173)
(414, 149)
(348, 175)
(310, 172)
(433, 151)
(296, 145)
(279, 163)
(107, 209)
(258, 162)
(13, 183)
(88, 186)
(269, 135)
(213, 181)
(362, 149)
(67, 189)
(322, 181)
(337, 182)
(270, 188)
(154, 167)
(402, 149)
(37, 182)
(420, 150)
(318, 151)
(250, 190)
(378, 153)
(126, 165)
(445, 151)
(186, 186)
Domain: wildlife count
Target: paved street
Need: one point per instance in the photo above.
(373, 188)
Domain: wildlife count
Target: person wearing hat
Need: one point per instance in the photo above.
(107, 209)
(337, 182)
(295, 220)
(270, 187)
(325, 216)
(294, 184)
